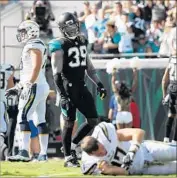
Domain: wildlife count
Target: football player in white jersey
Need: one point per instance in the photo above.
(32, 88)
(124, 152)
(169, 87)
(6, 81)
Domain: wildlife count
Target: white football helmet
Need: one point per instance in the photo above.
(27, 30)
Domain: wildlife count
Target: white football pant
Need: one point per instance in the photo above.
(34, 108)
(3, 115)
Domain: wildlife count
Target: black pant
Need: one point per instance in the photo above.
(12, 112)
(172, 90)
(82, 100)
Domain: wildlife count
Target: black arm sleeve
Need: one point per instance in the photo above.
(59, 85)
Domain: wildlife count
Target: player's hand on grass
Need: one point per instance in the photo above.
(101, 91)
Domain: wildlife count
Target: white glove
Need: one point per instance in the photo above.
(128, 160)
(26, 91)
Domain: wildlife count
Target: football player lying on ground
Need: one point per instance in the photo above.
(123, 152)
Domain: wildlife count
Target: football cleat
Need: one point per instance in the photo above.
(21, 156)
(42, 158)
(72, 162)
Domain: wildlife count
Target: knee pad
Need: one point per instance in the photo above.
(92, 122)
(33, 128)
(42, 128)
(24, 126)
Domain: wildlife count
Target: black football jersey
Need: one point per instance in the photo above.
(74, 58)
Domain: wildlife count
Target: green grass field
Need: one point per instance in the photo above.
(52, 168)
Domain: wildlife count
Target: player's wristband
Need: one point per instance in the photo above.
(134, 147)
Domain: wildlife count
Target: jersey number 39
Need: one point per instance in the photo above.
(79, 55)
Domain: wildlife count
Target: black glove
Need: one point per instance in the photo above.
(101, 90)
(66, 105)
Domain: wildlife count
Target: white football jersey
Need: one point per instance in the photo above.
(26, 61)
(6, 70)
(106, 134)
(173, 69)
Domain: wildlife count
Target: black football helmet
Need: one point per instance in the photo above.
(69, 25)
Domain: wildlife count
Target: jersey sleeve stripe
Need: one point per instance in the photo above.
(90, 170)
(105, 131)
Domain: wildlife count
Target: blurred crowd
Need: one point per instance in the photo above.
(130, 26)
(127, 26)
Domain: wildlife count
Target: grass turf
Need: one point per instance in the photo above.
(52, 168)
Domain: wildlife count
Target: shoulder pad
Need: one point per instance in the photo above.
(35, 44)
(55, 45)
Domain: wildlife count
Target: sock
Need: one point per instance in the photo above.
(67, 157)
(175, 134)
(43, 140)
(166, 139)
(66, 140)
(25, 139)
(73, 146)
(169, 124)
(82, 131)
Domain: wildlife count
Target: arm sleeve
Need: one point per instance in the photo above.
(57, 66)
(91, 72)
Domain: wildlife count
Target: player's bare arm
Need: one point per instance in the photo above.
(36, 57)
(108, 169)
(113, 82)
(91, 72)
(137, 136)
(165, 81)
(57, 67)
(127, 134)
(134, 80)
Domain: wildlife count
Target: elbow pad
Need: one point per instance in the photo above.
(59, 84)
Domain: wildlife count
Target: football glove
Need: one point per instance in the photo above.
(128, 160)
(66, 105)
(26, 91)
(101, 91)
(16, 90)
